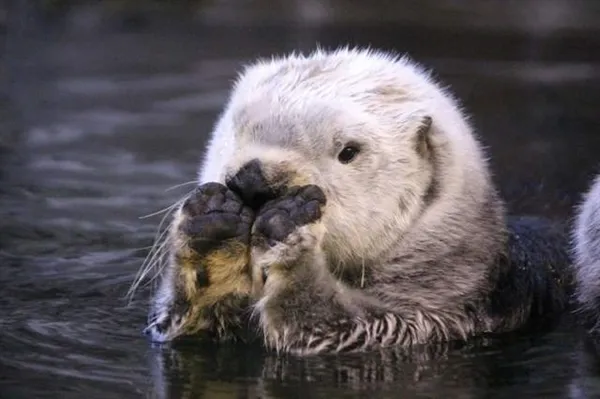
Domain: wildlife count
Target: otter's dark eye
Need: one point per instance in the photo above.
(348, 153)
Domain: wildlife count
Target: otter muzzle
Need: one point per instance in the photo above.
(251, 185)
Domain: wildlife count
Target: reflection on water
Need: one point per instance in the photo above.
(109, 121)
(523, 366)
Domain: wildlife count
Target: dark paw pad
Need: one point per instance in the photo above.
(280, 217)
(212, 197)
(214, 214)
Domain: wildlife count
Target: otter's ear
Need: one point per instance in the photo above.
(422, 138)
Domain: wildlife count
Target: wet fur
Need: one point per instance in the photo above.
(412, 245)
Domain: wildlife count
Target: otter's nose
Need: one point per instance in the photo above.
(250, 184)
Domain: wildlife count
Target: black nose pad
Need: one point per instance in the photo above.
(250, 184)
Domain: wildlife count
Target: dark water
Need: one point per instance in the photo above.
(106, 122)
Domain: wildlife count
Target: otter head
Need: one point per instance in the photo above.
(375, 132)
(388, 147)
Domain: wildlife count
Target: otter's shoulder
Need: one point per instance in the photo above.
(586, 252)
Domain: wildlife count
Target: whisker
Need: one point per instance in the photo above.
(159, 241)
(157, 249)
(362, 276)
(337, 269)
(167, 209)
(170, 207)
(176, 205)
(148, 265)
(169, 212)
(158, 253)
(181, 185)
(160, 261)
(142, 248)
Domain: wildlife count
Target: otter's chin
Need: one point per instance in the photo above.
(172, 334)
(158, 335)
(165, 330)
(167, 326)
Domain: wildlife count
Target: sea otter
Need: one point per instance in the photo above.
(344, 203)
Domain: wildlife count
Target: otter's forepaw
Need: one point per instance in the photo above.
(210, 259)
(215, 215)
(287, 228)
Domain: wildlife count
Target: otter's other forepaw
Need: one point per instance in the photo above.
(285, 229)
(214, 215)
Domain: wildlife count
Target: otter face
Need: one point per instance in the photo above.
(375, 185)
